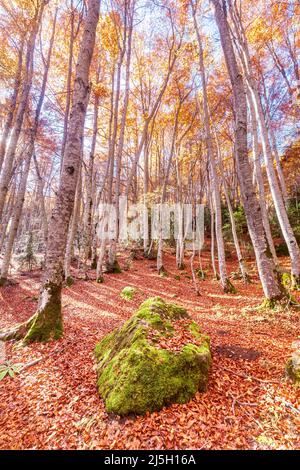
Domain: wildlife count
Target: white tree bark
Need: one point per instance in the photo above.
(15, 134)
(267, 270)
(287, 231)
(215, 184)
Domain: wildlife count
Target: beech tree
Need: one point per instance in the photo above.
(267, 270)
(47, 323)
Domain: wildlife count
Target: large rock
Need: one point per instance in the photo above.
(158, 357)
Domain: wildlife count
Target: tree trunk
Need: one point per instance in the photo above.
(87, 222)
(215, 185)
(14, 225)
(12, 105)
(260, 182)
(272, 287)
(47, 323)
(287, 231)
(14, 138)
(238, 250)
(32, 136)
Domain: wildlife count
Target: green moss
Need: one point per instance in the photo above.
(201, 274)
(69, 281)
(47, 323)
(229, 287)
(135, 376)
(113, 268)
(128, 293)
(195, 330)
(268, 304)
(286, 280)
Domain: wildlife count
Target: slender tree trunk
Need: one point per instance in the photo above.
(69, 82)
(212, 237)
(87, 222)
(275, 149)
(260, 183)
(14, 138)
(14, 225)
(12, 105)
(28, 156)
(72, 231)
(287, 231)
(41, 198)
(215, 185)
(272, 287)
(238, 250)
(7, 215)
(159, 263)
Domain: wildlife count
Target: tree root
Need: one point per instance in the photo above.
(282, 303)
(17, 332)
(246, 278)
(229, 287)
(162, 272)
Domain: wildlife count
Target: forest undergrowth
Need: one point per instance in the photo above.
(52, 403)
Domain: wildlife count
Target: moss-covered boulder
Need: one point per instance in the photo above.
(128, 293)
(158, 357)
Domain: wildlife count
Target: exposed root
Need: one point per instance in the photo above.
(17, 332)
(162, 272)
(279, 304)
(229, 287)
(113, 268)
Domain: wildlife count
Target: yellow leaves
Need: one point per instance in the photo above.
(100, 90)
(110, 31)
(278, 9)
(259, 31)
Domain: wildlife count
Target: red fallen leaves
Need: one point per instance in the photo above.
(175, 339)
(54, 404)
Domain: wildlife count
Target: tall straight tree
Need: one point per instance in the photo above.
(11, 149)
(32, 132)
(272, 287)
(47, 323)
(12, 104)
(279, 203)
(215, 184)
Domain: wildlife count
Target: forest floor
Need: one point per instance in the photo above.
(249, 403)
